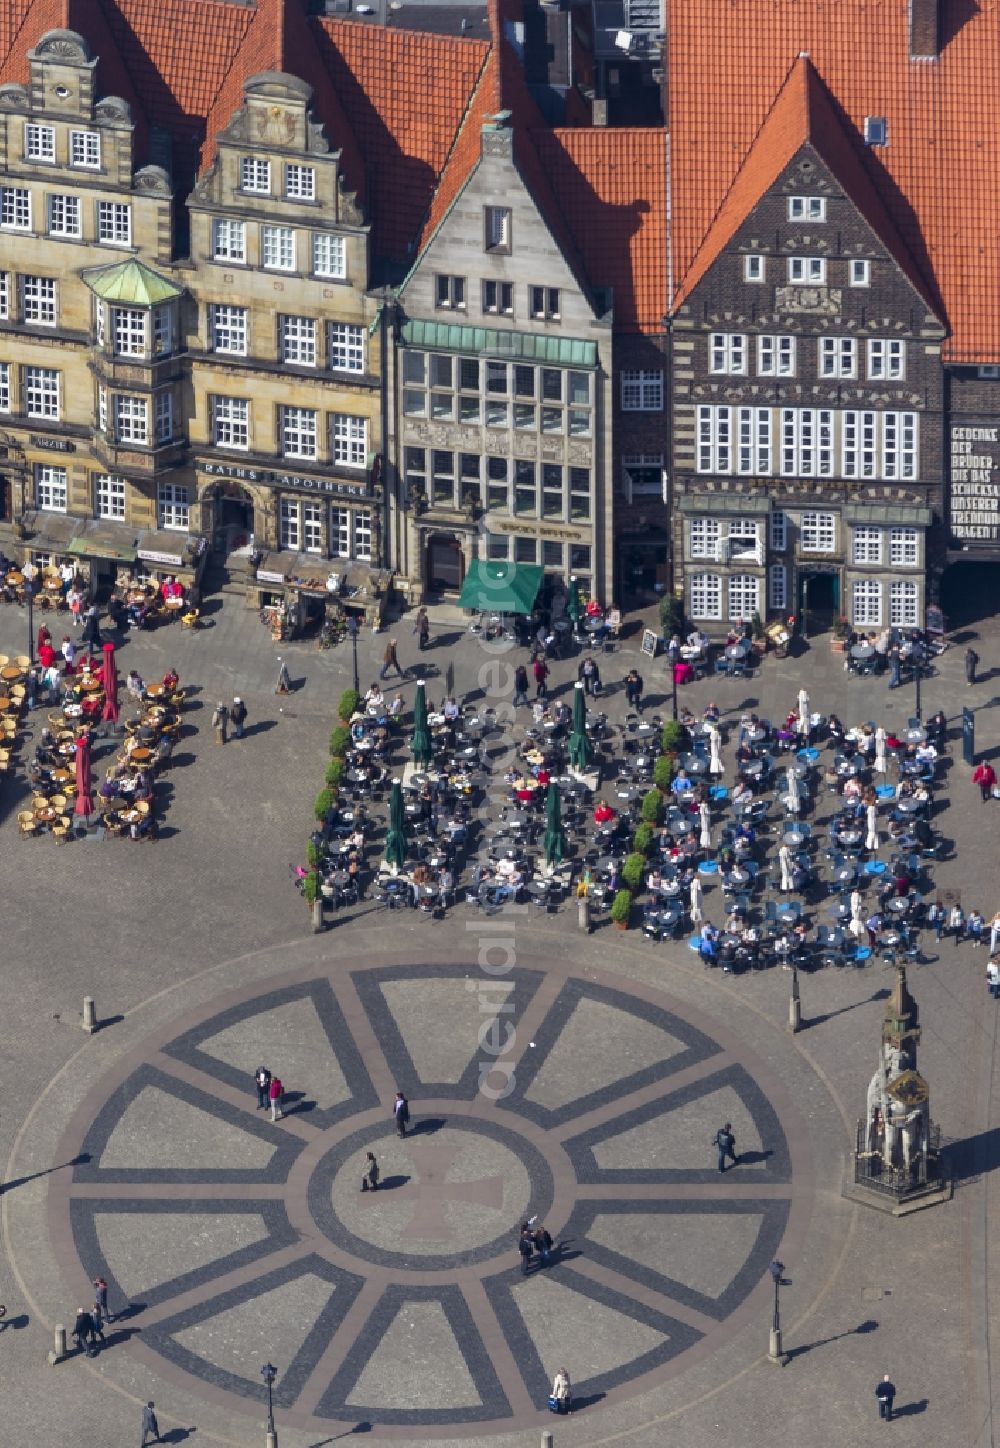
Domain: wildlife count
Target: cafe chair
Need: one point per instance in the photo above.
(22, 661)
(60, 829)
(26, 823)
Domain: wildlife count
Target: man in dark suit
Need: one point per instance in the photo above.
(885, 1392)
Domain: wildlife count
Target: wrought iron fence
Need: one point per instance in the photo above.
(872, 1173)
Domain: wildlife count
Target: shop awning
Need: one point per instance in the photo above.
(489, 342)
(112, 543)
(50, 532)
(165, 549)
(500, 587)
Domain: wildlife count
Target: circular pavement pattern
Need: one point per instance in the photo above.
(588, 1103)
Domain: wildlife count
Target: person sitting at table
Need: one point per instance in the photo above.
(451, 711)
(681, 784)
(852, 789)
(686, 719)
(712, 713)
(937, 729)
(926, 754)
(654, 879)
(708, 943)
(742, 795)
(603, 813)
(374, 699)
(744, 753)
(745, 835)
(170, 680)
(835, 730)
(135, 686)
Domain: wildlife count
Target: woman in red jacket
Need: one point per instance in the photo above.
(985, 776)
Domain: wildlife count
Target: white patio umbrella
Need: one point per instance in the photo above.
(880, 765)
(785, 861)
(871, 839)
(857, 922)
(715, 764)
(706, 829)
(794, 797)
(804, 711)
(697, 913)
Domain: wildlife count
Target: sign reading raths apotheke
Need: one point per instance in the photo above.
(975, 482)
(295, 481)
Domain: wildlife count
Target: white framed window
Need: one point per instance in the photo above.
(312, 527)
(641, 391)
(807, 270)
(329, 255)
(340, 531)
(753, 268)
(727, 352)
(859, 273)
(41, 392)
(85, 149)
(277, 248)
(779, 531)
(38, 301)
(866, 603)
(886, 359)
(298, 430)
(858, 444)
(903, 599)
(290, 526)
(498, 298)
(715, 439)
(777, 587)
(806, 442)
(229, 240)
(753, 440)
(231, 422)
(4, 387)
(65, 217)
(807, 208)
(743, 590)
(163, 330)
(348, 440)
(838, 357)
(102, 408)
(300, 182)
(899, 445)
(4, 295)
(363, 534)
(904, 547)
(39, 142)
(163, 409)
(543, 303)
(255, 175)
(131, 416)
(109, 497)
(346, 344)
(50, 488)
(449, 293)
(172, 507)
(776, 356)
(297, 340)
(128, 328)
(497, 228)
(643, 476)
(114, 223)
(743, 540)
(15, 208)
(818, 532)
(989, 371)
(867, 547)
(704, 535)
(706, 596)
(229, 326)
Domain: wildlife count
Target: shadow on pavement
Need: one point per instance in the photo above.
(869, 1325)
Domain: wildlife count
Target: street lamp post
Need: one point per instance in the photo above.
(269, 1372)
(29, 596)
(918, 669)
(794, 1009)
(774, 1352)
(353, 628)
(673, 690)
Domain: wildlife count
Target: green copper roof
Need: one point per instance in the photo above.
(484, 341)
(131, 282)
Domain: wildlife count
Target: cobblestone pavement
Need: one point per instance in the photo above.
(229, 1240)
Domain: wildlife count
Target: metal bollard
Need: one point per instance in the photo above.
(89, 1021)
(58, 1349)
(270, 1440)
(317, 915)
(583, 914)
(794, 1014)
(546, 1440)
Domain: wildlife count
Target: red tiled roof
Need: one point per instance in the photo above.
(611, 187)
(466, 149)
(727, 62)
(22, 24)
(803, 114)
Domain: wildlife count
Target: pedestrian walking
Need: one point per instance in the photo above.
(994, 925)
(275, 1092)
(101, 1298)
(936, 917)
(885, 1392)
(956, 922)
(91, 635)
(149, 1425)
(98, 1321)
(390, 660)
(83, 1332)
(985, 776)
(422, 629)
(895, 664)
(220, 722)
(993, 979)
(559, 1396)
(873, 925)
(725, 1143)
(971, 665)
(369, 1182)
(520, 686)
(284, 684)
(526, 1248)
(633, 690)
(238, 715)
(589, 675)
(543, 1245)
(262, 1080)
(540, 670)
(401, 1112)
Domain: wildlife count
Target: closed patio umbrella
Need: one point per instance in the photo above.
(880, 737)
(555, 835)
(110, 710)
(697, 914)
(395, 840)
(421, 743)
(573, 609)
(706, 829)
(785, 861)
(579, 744)
(857, 925)
(804, 708)
(84, 799)
(715, 764)
(871, 838)
(794, 798)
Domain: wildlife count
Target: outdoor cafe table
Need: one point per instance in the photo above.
(11, 672)
(899, 904)
(737, 876)
(52, 584)
(669, 889)
(790, 912)
(693, 763)
(630, 793)
(908, 805)
(845, 874)
(753, 768)
(156, 691)
(915, 736)
(645, 729)
(861, 652)
(15, 578)
(793, 837)
(46, 814)
(738, 651)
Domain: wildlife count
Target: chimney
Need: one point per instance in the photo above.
(924, 29)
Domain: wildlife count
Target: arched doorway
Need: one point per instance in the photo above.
(233, 517)
(445, 563)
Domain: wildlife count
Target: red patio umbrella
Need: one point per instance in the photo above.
(84, 799)
(110, 680)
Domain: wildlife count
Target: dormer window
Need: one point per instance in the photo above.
(255, 175)
(497, 228)
(876, 131)
(807, 208)
(300, 183)
(39, 142)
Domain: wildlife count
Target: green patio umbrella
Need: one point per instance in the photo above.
(395, 840)
(555, 835)
(579, 744)
(421, 743)
(573, 609)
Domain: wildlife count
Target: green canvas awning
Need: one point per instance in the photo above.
(490, 342)
(501, 587)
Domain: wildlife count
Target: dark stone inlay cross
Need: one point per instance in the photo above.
(432, 1193)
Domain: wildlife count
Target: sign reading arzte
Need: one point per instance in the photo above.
(975, 483)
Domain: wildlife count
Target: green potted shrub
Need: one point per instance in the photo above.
(672, 739)
(671, 615)
(334, 773)
(323, 804)
(652, 807)
(634, 872)
(340, 741)
(310, 887)
(348, 706)
(621, 909)
(315, 854)
(663, 773)
(643, 841)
